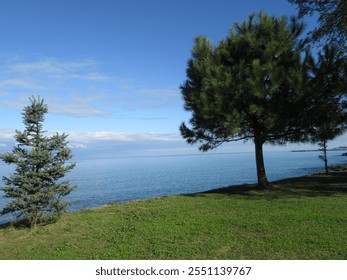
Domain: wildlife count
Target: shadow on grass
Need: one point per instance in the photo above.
(312, 185)
(15, 225)
(25, 224)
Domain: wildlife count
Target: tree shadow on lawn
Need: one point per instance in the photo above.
(18, 224)
(24, 224)
(311, 185)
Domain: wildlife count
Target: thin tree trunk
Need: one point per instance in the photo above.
(261, 173)
(325, 157)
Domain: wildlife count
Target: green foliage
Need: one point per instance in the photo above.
(332, 21)
(35, 188)
(328, 85)
(250, 86)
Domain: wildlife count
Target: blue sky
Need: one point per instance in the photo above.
(110, 70)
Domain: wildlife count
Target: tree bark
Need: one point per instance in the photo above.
(325, 157)
(261, 173)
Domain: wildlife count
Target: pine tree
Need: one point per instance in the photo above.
(35, 189)
(328, 86)
(248, 87)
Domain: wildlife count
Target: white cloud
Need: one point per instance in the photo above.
(48, 73)
(96, 77)
(3, 145)
(50, 67)
(80, 139)
(77, 88)
(121, 136)
(6, 134)
(77, 110)
(21, 83)
(145, 98)
(77, 145)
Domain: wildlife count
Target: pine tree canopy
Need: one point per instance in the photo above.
(329, 83)
(35, 189)
(332, 21)
(254, 85)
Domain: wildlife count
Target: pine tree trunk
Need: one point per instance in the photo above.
(325, 157)
(261, 173)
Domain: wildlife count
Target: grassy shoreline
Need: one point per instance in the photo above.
(297, 218)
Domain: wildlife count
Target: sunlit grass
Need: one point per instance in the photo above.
(302, 218)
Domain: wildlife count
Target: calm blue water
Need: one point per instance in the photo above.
(112, 180)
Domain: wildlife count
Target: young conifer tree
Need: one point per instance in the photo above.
(35, 190)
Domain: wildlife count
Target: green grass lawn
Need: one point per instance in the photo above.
(301, 218)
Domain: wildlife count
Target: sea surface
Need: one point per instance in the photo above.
(102, 181)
